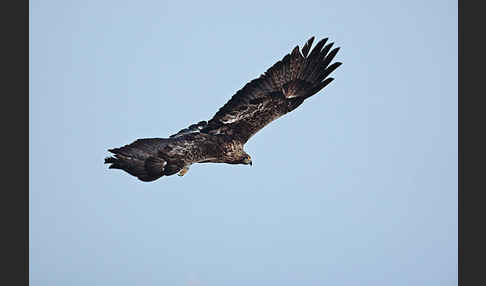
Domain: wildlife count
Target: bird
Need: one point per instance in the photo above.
(299, 75)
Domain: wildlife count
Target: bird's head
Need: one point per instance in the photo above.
(246, 160)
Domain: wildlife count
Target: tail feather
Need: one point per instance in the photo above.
(134, 167)
(140, 159)
(155, 166)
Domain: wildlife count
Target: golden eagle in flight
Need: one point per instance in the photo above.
(281, 89)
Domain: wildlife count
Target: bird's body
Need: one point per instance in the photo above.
(280, 90)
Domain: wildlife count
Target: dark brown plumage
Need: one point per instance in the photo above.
(281, 89)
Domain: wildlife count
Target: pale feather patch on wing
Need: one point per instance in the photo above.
(251, 109)
(194, 128)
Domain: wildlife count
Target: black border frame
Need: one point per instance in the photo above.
(15, 143)
(470, 75)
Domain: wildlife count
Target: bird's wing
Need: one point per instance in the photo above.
(279, 90)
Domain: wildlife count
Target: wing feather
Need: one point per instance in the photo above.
(307, 46)
(281, 89)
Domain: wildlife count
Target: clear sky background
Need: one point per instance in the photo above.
(358, 186)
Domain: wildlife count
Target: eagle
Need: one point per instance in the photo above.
(281, 89)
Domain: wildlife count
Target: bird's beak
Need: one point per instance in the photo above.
(251, 163)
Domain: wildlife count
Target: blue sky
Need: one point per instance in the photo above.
(358, 186)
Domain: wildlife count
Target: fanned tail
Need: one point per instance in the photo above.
(142, 159)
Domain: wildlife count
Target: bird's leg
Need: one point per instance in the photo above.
(183, 171)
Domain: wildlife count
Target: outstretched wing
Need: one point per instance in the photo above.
(281, 89)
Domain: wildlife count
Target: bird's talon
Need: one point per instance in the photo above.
(183, 171)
